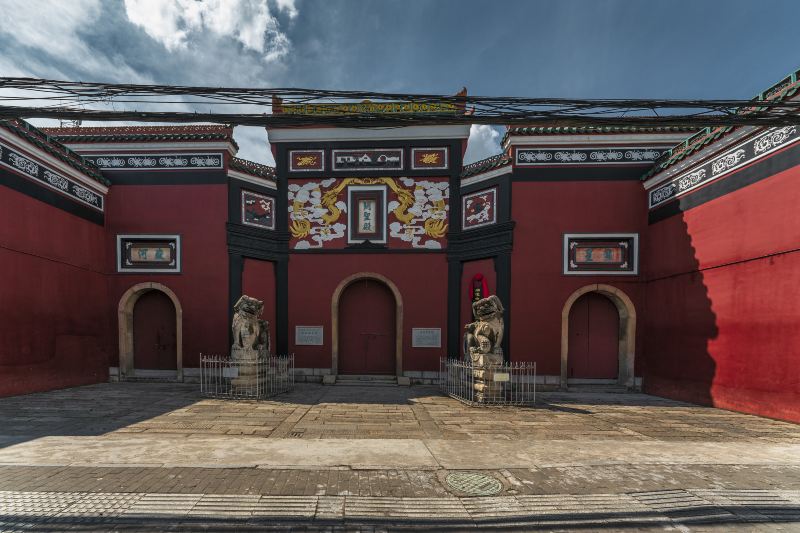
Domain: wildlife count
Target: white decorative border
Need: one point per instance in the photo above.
(30, 168)
(466, 197)
(178, 253)
(443, 167)
(350, 212)
(291, 161)
(270, 199)
(601, 155)
(366, 150)
(158, 161)
(765, 143)
(610, 237)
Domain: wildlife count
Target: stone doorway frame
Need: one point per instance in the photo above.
(125, 322)
(627, 331)
(398, 318)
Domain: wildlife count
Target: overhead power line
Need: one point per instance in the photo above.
(69, 100)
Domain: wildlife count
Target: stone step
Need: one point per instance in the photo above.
(365, 377)
(366, 380)
(150, 379)
(615, 389)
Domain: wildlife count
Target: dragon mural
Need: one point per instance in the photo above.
(419, 208)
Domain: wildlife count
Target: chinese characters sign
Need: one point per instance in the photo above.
(148, 253)
(367, 216)
(601, 254)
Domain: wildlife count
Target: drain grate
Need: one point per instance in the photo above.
(474, 484)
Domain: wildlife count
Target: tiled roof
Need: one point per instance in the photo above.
(53, 147)
(593, 130)
(786, 88)
(250, 167)
(485, 165)
(96, 134)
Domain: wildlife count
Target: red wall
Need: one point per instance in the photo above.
(258, 281)
(196, 213)
(722, 324)
(544, 211)
(52, 298)
(422, 282)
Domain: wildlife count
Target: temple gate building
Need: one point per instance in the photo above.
(661, 259)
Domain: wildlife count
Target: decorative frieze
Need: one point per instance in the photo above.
(731, 160)
(258, 210)
(368, 159)
(50, 178)
(601, 253)
(429, 158)
(413, 211)
(479, 209)
(528, 157)
(157, 161)
(149, 253)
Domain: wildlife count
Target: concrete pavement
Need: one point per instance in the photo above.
(160, 457)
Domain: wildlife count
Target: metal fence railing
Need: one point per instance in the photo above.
(503, 384)
(262, 377)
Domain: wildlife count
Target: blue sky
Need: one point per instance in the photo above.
(563, 48)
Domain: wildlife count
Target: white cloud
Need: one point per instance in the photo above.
(288, 6)
(483, 142)
(54, 28)
(253, 144)
(250, 22)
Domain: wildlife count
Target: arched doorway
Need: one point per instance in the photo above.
(150, 332)
(154, 333)
(598, 335)
(367, 318)
(593, 338)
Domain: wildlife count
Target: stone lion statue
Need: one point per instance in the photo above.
(250, 332)
(484, 336)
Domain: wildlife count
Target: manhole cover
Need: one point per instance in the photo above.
(474, 484)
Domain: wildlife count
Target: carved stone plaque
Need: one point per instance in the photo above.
(308, 335)
(426, 337)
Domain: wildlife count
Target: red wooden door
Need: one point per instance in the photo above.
(367, 329)
(593, 338)
(154, 332)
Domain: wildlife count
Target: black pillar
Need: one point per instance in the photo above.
(502, 268)
(282, 305)
(454, 269)
(235, 267)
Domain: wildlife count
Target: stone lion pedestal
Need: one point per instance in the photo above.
(482, 345)
(251, 346)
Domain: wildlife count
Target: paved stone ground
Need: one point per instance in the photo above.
(149, 457)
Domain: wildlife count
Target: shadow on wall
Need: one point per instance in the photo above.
(679, 322)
